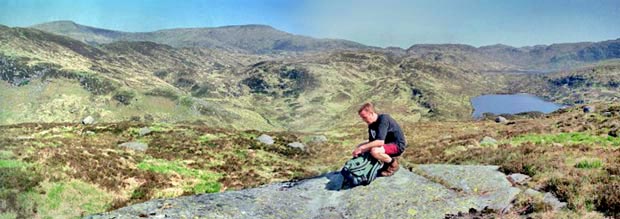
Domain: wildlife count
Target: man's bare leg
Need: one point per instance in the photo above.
(379, 154)
(390, 163)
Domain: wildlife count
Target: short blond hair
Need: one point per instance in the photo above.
(368, 107)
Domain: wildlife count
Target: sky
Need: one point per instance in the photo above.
(382, 23)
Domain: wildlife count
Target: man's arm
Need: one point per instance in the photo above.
(367, 146)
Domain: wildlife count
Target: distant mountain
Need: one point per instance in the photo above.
(262, 39)
(539, 58)
(90, 35)
(258, 39)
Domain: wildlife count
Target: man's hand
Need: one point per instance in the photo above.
(357, 151)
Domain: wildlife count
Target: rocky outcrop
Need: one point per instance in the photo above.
(430, 191)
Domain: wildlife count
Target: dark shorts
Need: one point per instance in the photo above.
(392, 149)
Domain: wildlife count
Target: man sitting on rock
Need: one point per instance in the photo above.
(386, 140)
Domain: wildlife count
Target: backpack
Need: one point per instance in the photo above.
(360, 170)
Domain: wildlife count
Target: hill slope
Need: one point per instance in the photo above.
(308, 92)
(68, 170)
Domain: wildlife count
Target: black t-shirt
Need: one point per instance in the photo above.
(386, 129)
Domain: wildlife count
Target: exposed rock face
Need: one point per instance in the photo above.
(403, 195)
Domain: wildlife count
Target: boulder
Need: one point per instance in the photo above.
(297, 145)
(265, 139)
(501, 119)
(88, 120)
(403, 195)
(138, 146)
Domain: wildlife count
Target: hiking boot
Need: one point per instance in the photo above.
(391, 169)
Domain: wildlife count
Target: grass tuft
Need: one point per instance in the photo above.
(589, 164)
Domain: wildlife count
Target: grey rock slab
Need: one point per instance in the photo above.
(138, 146)
(486, 182)
(265, 139)
(403, 195)
(518, 178)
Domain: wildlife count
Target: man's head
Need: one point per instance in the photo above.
(367, 113)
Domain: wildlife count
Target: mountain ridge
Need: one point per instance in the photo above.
(261, 38)
(264, 39)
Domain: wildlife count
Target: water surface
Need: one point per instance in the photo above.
(511, 103)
